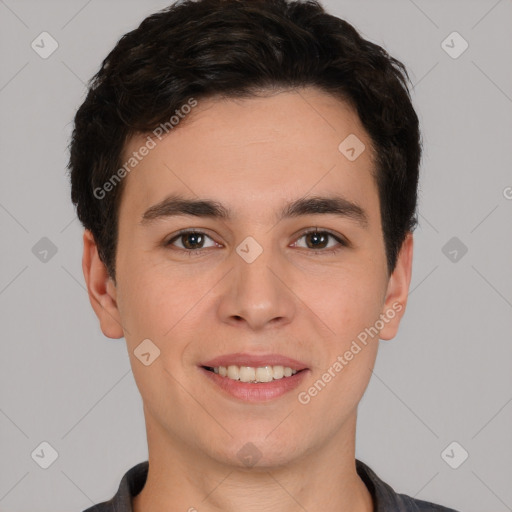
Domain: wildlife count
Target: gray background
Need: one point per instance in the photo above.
(446, 376)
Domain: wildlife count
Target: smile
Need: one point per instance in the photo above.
(253, 384)
(253, 374)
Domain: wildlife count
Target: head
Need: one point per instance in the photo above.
(246, 105)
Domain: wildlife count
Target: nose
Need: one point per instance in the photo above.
(257, 293)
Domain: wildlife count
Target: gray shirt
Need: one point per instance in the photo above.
(385, 499)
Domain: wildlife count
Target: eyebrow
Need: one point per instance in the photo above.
(176, 205)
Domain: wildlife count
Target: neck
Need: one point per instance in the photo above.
(180, 478)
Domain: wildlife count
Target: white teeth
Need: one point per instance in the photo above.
(246, 374)
(252, 374)
(265, 374)
(278, 372)
(233, 372)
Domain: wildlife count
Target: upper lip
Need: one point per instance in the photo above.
(255, 360)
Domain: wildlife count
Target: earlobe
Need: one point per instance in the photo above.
(101, 289)
(397, 291)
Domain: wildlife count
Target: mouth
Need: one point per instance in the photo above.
(252, 374)
(253, 378)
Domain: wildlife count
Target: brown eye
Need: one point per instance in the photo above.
(318, 241)
(190, 240)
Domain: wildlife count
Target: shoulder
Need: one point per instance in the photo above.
(385, 499)
(415, 505)
(106, 506)
(131, 484)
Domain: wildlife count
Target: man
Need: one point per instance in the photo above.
(247, 175)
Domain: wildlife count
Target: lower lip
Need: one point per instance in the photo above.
(256, 392)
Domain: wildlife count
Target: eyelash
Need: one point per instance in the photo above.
(198, 252)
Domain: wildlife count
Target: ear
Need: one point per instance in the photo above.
(101, 289)
(397, 291)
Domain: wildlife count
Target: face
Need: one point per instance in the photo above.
(306, 286)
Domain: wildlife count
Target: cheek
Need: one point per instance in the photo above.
(155, 309)
(346, 302)
(147, 302)
(167, 306)
(350, 307)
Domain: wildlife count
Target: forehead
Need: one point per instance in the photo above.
(251, 153)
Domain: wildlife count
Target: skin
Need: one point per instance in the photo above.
(253, 156)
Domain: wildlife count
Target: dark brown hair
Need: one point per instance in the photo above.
(233, 48)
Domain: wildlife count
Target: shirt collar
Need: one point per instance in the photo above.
(385, 499)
